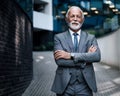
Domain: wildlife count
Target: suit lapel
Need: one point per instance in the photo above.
(69, 41)
(82, 41)
(81, 45)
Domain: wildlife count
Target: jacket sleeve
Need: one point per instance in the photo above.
(89, 57)
(58, 46)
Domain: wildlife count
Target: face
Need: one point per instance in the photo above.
(75, 19)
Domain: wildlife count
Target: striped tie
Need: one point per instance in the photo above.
(75, 42)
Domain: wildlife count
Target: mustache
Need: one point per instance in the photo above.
(74, 22)
(75, 25)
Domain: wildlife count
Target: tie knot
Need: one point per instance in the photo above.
(75, 34)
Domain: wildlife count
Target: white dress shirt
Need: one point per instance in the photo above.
(78, 36)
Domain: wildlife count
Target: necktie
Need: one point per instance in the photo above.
(75, 41)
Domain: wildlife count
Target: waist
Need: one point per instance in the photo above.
(77, 66)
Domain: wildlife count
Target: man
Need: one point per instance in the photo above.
(74, 53)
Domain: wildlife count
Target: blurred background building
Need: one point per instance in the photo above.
(16, 68)
(101, 18)
(43, 25)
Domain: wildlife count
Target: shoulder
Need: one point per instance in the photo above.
(61, 35)
(88, 35)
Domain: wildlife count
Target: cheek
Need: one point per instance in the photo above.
(81, 20)
(70, 19)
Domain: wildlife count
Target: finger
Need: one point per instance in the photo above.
(57, 51)
(94, 49)
(92, 46)
(58, 57)
(56, 54)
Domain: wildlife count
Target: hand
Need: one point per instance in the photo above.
(58, 54)
(92, 49)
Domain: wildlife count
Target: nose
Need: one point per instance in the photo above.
(75, 18)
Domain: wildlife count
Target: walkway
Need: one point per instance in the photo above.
(108, 79)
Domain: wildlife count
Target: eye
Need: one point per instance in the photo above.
(78, 16)
(72, 16)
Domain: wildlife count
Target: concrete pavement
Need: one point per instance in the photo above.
(108, 78)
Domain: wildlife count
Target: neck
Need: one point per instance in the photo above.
(74, 30)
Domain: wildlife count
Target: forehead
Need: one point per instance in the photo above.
(75, 11)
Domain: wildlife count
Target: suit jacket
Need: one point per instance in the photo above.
(63, 41)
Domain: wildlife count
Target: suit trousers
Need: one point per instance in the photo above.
(77, 89)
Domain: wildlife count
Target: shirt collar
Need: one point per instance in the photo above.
(71, 32)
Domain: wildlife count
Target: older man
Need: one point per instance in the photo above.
(74, 53)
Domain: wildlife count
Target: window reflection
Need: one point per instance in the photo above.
(101, 16)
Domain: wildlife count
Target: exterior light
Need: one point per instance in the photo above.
(111, 6)
(108, 2)
(96, 12)
(63, 12)
(115, 10)
(57, 17)
(93, 8)
(85, 13)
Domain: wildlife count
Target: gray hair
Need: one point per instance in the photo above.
(74, 7)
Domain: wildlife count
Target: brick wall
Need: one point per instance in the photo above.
(15, 49)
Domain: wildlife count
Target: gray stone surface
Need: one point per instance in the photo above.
(108, 78)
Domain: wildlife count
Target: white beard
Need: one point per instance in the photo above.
(75, 27)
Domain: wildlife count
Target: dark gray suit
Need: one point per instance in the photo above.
(63, 41)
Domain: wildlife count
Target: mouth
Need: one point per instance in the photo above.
(75, 24)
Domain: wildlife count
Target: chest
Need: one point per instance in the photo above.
(83, 45)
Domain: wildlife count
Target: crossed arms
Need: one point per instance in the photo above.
(58, 54)
(63, 58)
